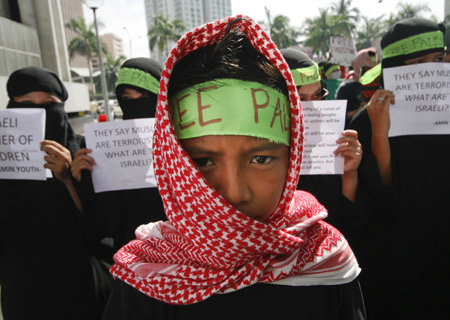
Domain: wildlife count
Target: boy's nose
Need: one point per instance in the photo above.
(234, 187)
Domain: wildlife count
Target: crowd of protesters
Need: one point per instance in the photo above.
(232, 229)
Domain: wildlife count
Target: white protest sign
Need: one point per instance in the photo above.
(343, 51)
(324, 123)
(21, 131)
(422, 98)
(123, 154)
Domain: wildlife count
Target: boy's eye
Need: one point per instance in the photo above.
(261, 159)
(203, 162)
(439, 59)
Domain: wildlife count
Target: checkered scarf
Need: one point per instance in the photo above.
(209, 247)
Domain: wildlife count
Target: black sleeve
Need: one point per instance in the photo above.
(353, 302)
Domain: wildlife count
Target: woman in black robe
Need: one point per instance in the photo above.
(44, 268)
(409, 191)
(117, 214)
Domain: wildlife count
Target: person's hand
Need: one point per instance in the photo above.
(350, 149)
(81, 161)
(378, 109)
(58, 159)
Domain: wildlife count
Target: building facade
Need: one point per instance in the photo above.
(192, 13)
(32, 33)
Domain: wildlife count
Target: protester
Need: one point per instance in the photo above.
(351, 88)
(44, 266)
(117, 214)
(238, 238)
(411, 277)
(331, 77)
(340, 194)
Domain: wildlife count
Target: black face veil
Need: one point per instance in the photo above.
(32, 79)
(145, 69)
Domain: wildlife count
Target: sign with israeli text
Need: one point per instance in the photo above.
(422, 98)
(123, 154)
(21, 133)
(343, 51)
(324, 122)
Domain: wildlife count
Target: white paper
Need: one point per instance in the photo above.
(422, 98)
(21, 131)
(343, 51)
(324, 123)
(123, 154)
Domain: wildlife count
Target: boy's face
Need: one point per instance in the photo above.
(250, 173)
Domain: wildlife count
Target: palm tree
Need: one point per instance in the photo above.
(112, 67)
(319, 30)
(406, 10)
(282, 34)
(348, 17)
(371, 29)
(85, 44)
(162, 31)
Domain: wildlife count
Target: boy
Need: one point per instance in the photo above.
(227, 151)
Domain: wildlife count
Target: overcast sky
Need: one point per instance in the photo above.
(130, 14)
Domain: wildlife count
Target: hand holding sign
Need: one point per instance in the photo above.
(82, 161)
(58, 159)
(378, 110)
(350, 149)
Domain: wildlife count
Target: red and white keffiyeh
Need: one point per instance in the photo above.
(209, 247)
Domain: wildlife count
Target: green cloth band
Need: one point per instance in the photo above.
(304, 76)
(419, 42)
(332, 69)
(371, 75)
(231, 107)
(138, 78)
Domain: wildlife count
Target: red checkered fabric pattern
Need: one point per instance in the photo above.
(209, 247)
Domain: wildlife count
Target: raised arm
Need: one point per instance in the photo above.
(59, 160)
(350, 148)
(378, 110)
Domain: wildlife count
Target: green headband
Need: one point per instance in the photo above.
(416, 43)
(138, 78)
(332, 69)
(371, 75)
(231, 107)
(304, 76)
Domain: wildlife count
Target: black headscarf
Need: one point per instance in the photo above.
(144, 107)
(405, 29)
(297, 59)
(30, 79)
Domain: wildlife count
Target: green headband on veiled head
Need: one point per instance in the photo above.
(304, 76)
(138, 78)
(231, 107)
(419, 42)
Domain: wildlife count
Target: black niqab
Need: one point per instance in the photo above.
(144, 107)
(405, 29)
(30, 79)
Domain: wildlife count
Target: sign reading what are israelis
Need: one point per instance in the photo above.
(343, 51)
(324, 122)
(422, 98)
(21, 133)
(123, 154)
